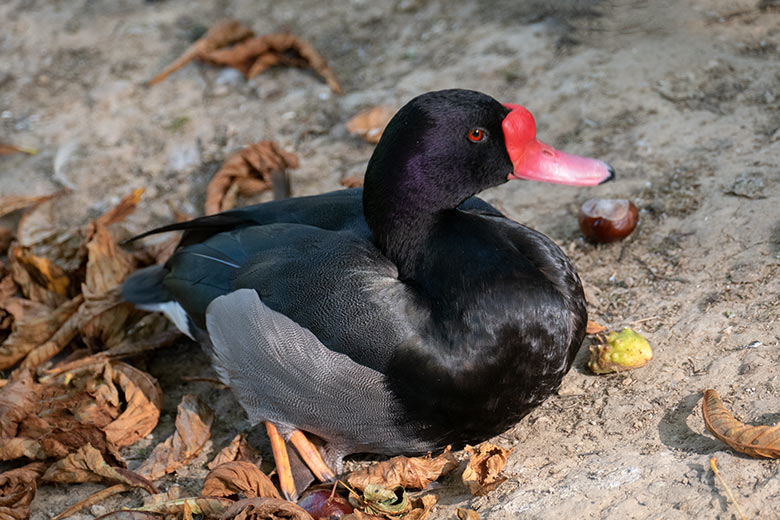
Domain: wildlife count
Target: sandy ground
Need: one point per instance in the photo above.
(680, 97)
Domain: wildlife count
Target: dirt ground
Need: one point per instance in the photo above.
(681, 97)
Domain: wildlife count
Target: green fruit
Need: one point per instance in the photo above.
(623, 350)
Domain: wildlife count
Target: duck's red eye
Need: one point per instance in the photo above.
(476, 135)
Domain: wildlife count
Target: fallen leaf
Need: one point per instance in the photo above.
(247, 172)
(238, 449)
(119, 212)
(594, 328)
(371, 122)
(238, 478)
(54, 229)
(409, 472)
(17, 490)
(125, 514)
(756, 441)
(29, 288)
(264, 508)
(421, 507)
(11, 203)
(7, 149)
(483, 472)
(87, 465)
(223, 33)
(193, 425)
(207, 506)
(35, 326)
(351, 182)
(44, 271)
(384, 501)
(467, 514)
(143, 399)
(253, 56)
(6, 237)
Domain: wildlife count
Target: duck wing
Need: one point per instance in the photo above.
(281, 372)
(334, 283)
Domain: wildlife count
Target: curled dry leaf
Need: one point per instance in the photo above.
(35, 325)
(483, 472)
(255, 55)
(381, 500)
(467, 514)
(193, 426)
(756, 441)
(371, 122)
(238, 449)
(142, 411)
(421, 507)
(238, 478)
(264, 509)
(87, 465)
(223, 33)
(42, 270)
(17, 490)
(247, 172)
(75, 408)
(409, 472)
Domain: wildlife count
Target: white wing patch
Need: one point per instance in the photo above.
(173, 311)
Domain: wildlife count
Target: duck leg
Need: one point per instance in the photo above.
(282, 460)
(311, 456)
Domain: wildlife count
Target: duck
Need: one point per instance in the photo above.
(397, 318)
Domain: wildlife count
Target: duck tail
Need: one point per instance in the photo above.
(145, 286)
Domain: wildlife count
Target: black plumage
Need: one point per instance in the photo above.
(464, 319)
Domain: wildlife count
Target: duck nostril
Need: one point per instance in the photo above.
(547, 152)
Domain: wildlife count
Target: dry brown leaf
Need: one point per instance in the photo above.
(87, 465)
(53, 229)
(193, 425)
(144, 401)
(255, 55)
(594, 328)
(756, 441)
(421, 507)
(119, 212)
(351, 182)
(6, 237)
(483, 472)
(370, 123)
(17, 490)
(30, 289)
(122, 514)
(240, 478)
(7, 149)
(106, 404)
(223, 33)
(34, 327)
(42, 270)
(467, 514)
(11, 203)
(250, 170)
(238, 449)
(265, 508)
(409, 472)
(210, 507)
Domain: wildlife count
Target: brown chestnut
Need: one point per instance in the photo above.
(607, 220)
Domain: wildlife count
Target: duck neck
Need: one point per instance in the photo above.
(401, 208)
